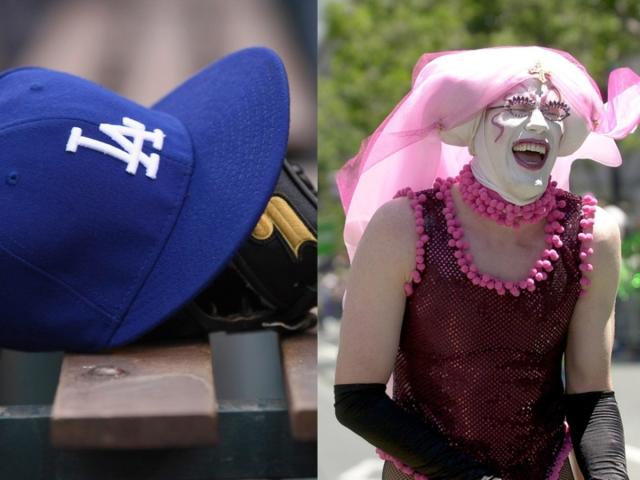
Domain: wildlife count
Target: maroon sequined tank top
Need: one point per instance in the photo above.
(483, 368)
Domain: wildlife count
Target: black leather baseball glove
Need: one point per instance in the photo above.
(272, 280)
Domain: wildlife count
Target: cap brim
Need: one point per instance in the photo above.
(237, 113)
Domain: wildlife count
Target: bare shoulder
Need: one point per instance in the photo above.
(591, 330)
(606, 232)
(390, 237)
(375, 298)
(606, 254)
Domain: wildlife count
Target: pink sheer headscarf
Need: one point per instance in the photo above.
(449, 89)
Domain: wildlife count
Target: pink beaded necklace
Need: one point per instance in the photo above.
(489, 204)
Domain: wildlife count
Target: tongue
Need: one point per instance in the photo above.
(530, 160)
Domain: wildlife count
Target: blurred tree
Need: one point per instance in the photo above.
(371, 47)
(630, 272)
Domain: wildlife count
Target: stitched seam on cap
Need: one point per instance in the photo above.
(175, 214)
(268, 139)
(56, 280)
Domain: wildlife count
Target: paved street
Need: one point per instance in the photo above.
(344, 456)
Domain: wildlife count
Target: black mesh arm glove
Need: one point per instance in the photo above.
(368, 411)
(597, 435)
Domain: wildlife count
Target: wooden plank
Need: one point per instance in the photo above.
(255, 442)
(142, 396)
(300, 364)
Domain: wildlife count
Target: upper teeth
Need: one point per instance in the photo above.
(532, 147)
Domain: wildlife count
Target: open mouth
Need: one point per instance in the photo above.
(531, 153)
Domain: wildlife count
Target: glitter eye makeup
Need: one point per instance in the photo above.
(520, 106)
(555, 110)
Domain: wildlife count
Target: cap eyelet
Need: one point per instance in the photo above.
(12, 178)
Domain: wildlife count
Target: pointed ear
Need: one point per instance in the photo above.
(575, 133)
(462, 135)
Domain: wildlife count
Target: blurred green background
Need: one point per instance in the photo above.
(367, 52)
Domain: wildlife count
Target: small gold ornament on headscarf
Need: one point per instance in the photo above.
(539, 71)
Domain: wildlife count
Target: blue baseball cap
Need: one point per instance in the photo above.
(114, 215)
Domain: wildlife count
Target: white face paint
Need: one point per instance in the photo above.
(516, 149)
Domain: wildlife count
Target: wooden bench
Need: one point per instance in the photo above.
(141, 396)
(151, 411)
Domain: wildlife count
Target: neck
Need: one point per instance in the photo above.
(490, 205)
(489, 227)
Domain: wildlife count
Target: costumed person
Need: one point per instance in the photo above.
(472, 285)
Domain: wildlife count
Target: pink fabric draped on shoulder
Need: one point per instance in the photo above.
(450, 88)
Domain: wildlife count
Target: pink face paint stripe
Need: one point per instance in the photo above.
(493, 122)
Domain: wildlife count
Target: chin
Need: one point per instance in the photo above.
(528, 182)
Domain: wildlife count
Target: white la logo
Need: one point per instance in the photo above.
(132, 154)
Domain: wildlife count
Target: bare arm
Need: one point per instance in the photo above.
(590, 340)
(371, 325)
(591, 408)
(374, 302)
